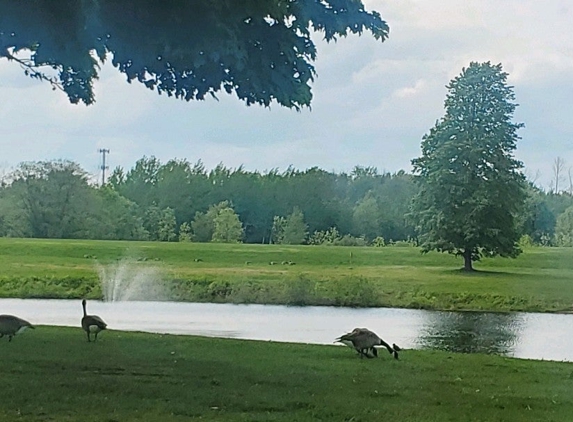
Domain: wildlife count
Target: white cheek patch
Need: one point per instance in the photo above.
(21, 330)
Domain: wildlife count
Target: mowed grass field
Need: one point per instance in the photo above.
(540, 280)
(54, 374)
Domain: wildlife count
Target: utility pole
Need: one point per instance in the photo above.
(103, 167)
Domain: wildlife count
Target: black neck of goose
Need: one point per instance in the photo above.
(387, 346)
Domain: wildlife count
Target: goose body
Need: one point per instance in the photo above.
(364, 341)
(11, 325)
(92, 323)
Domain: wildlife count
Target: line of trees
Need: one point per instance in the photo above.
(468, 195)
(180, 201)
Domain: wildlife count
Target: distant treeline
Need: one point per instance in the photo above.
(183, 201)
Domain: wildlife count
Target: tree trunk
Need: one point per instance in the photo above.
(468, 260)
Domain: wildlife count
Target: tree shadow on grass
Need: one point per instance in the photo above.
(486, 273)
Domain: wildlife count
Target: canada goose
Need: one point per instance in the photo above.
(364, 340)
(11, 325)
(92, 323)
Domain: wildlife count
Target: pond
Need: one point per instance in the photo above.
(522, 335)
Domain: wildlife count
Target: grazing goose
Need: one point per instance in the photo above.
(92, 323)
(11, 325)
(364, 340)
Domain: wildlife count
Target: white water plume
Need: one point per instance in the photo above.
(131, 281)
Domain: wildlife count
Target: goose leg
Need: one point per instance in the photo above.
(364, 354)
(374, 354)
(88, 333)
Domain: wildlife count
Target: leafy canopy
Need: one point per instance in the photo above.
(564, 228)
(471, 186)
(291, 230)
(259, 49)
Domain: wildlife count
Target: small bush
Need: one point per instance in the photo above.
(379, 242)
(348, 240)
(526, 241)
(328, 237)
(300, 291)
(403, 244)
(219, 290)
(354, 292)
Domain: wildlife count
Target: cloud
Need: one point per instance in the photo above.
(372, 103)
(410, 91)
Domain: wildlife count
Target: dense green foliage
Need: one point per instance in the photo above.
(227, 227)
(153, 200)
(291, 230)
(471, 188)
(54, 200)
(394, 276)
(54, 374)
(261, 50)
(564, 228)
(179, 201)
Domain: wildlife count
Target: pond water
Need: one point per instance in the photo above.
(522, 335)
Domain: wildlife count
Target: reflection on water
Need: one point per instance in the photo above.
(471, 332)
(534, 336)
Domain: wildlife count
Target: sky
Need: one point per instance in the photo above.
(372, 103)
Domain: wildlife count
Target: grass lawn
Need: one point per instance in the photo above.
(539, 280)
(54, 374)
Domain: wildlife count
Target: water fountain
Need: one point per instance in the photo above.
(130, 280)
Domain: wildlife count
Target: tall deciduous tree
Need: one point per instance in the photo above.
(228, 227)
(558, 168)
(203, 225)
(167, 225)
(366, 220)
(140, 183)
(261, 50)
(278, 229)
(471, 185)
(54, 197)
(537, 220)
(291, 230)
(113, 217)
(564, 228)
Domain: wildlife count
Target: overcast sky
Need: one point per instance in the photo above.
(372, 103)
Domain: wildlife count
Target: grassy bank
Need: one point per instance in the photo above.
(53, 374)
(539, 280)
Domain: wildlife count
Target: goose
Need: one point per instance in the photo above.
(358, 339)
(11, 325)
(363, 341)
(92, 323)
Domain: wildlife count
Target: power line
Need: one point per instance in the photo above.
(103, 167)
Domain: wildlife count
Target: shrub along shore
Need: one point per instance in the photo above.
(394, 276)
